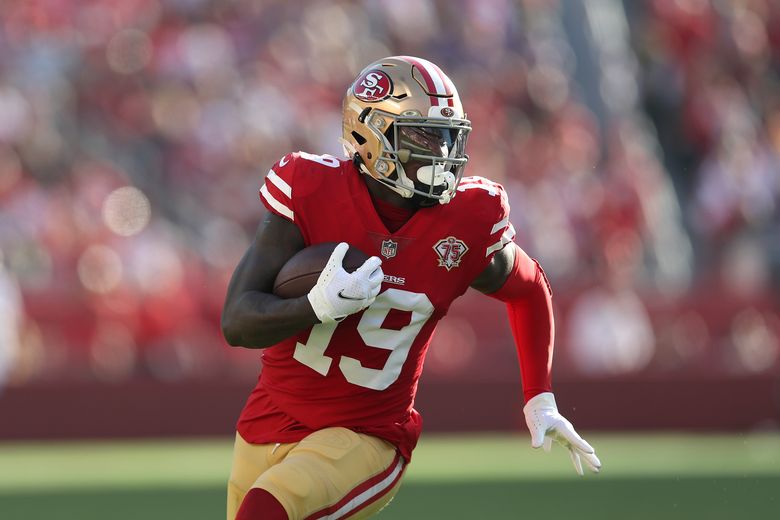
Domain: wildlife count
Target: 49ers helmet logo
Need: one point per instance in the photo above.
(374, 85)
(447, 112)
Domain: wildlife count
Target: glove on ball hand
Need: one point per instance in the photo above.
(338, 293)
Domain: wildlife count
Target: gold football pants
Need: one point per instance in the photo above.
(331, 473)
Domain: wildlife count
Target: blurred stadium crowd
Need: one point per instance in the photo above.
(643, 167)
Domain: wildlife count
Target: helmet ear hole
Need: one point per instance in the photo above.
(363, 114)
(359, 138)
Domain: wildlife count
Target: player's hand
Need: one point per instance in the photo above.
(338, 293)
(546, 424)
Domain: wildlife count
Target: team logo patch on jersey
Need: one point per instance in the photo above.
(450, 251)
(389, 248)
(373, 86)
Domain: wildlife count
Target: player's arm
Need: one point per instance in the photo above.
(495, 274)
(516, 279)
(255, 318)
(252, 317)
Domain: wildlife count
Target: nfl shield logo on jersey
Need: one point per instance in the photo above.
(389, 248)
(450, 251)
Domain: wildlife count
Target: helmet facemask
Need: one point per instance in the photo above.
(439, 144)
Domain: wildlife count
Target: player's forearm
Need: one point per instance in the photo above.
(260, 320)
(533, 328)
(529, 308)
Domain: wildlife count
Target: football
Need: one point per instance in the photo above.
(300, 273)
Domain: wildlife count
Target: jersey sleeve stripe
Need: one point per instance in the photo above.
(499, 225)
(509, 233)
(486, 187)
(475, 179)
(278, 206)
(279, 183)
(505, 239)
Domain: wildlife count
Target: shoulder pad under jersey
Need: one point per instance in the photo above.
(488, 203)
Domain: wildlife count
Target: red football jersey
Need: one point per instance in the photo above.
(362, 373)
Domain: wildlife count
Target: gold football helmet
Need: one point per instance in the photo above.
(404, 111)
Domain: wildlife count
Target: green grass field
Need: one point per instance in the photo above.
(452, 477)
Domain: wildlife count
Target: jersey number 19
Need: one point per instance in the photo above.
(398, 342)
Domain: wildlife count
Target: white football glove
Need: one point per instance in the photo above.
(546, 424)
(338, 293)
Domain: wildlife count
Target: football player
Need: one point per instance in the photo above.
(330, 426)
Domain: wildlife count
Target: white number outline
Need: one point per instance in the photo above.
(324, 159)
(398, 342)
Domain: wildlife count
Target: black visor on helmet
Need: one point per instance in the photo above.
(425, 140)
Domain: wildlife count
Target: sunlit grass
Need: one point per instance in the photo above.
(453, 477)
(449, 458)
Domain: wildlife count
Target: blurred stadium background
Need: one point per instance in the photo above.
(639, 143)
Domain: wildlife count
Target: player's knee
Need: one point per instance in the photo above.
(259, 504)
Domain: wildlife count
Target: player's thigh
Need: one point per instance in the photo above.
(249, 462)
(335, 472)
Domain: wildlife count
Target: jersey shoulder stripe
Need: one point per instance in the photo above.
(275, 204)
(501, 224)
(492, 209)
(474, 182)
(279, 193)
(507, 236)
(280, 183)
(276, 192)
